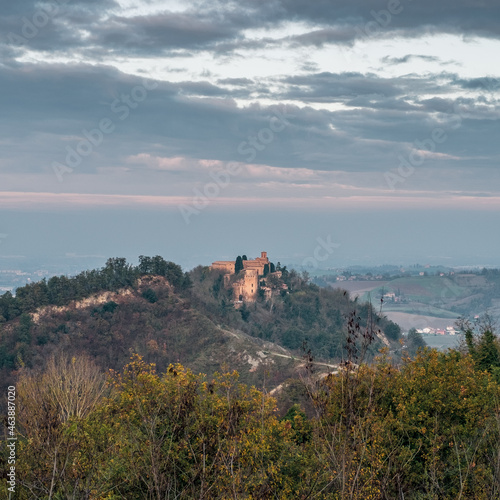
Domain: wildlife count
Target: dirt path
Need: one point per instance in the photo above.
(297, 359)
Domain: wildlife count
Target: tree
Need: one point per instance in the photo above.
(414, 342)
(238, 265)
(24, 328)
(273, 268)
(482, 344)
(244, 257)
(487, 356)
(179, 435)
(9, 307)
(150, 295)
(293, 338)
(118, 273)
(392, 331)
(145, 265)
(49, 402)
(245, 313)
(426, 429)
(299, 423)
(266, 269)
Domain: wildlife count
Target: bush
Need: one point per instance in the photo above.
(150, 295)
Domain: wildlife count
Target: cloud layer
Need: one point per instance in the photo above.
(339, 104)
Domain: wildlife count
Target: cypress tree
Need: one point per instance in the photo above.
(487, 352)
(238, 266)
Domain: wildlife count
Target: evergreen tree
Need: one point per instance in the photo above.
(24, 328)
(238, 266)
(145, 265)
(469, 340)
(487, 356)
(414, 342)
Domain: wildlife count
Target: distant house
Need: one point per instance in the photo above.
(450, 330)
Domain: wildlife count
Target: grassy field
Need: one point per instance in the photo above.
(418, 308)
(424, 289)
(418, 321)
(358, 288)
(443, 342)
(428, 301)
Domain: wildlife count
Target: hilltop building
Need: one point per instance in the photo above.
(257, 264)
(246, 283)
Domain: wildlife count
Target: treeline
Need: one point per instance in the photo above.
(60, 290)
(426, 429)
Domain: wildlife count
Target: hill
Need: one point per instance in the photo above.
(168, 316)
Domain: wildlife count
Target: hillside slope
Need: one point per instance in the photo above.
(109, 326)
(176, 317)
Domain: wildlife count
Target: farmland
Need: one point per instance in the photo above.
(435, 301)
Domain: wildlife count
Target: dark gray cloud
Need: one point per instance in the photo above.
(344, 21)
(51, 25)
(328, 87)
(460, 16)
(28, 8)
(382, 102)
(486, 84)
(241, 82)
(408, 58)
(161, 32)
(349, 86)
(46, 103)
(343, 34)
(218, 25)
(47, 107)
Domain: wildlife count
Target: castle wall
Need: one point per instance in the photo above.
(223, 265)
(247, 287)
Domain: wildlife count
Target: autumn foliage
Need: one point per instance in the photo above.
(426, 429)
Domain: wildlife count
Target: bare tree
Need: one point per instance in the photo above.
(67, 388)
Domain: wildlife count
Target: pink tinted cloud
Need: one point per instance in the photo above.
(70, 201)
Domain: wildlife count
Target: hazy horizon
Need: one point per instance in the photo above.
(115, 233)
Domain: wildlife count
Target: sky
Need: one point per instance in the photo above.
(329, 133)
